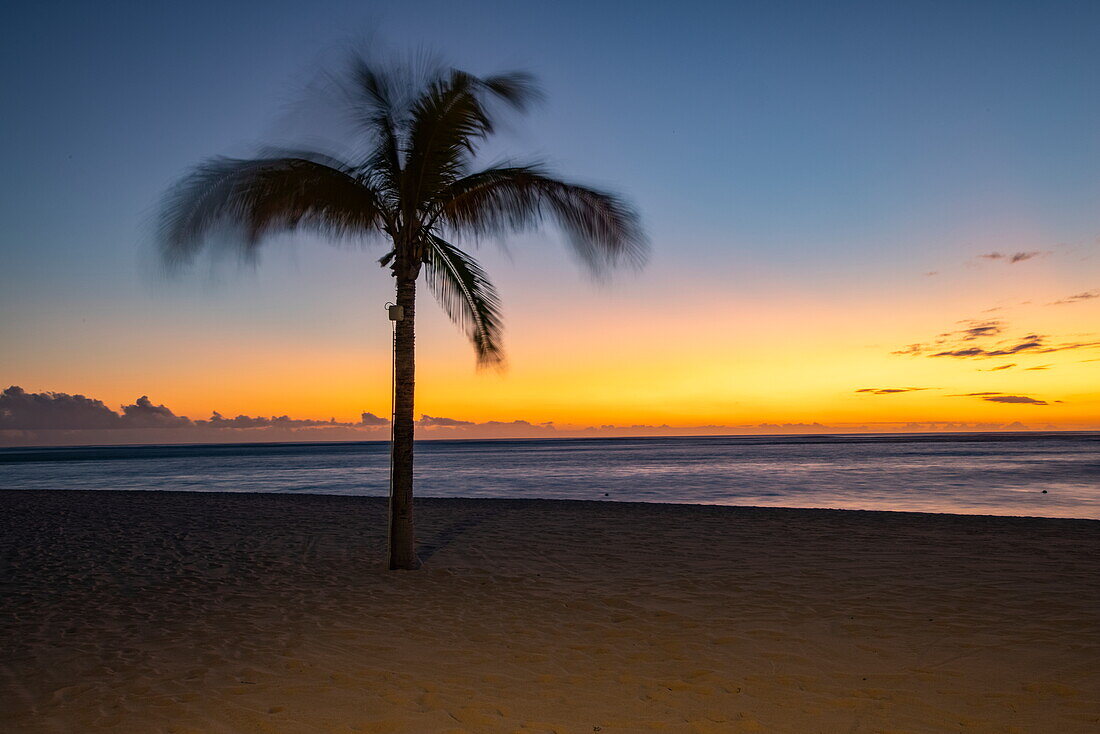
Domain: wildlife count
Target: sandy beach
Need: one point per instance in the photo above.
(188, 613)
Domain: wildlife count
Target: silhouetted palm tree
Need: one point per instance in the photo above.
(414, 183)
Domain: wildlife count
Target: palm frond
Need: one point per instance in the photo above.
(378, 105)
(448, 122)
(464, 292)
(262, 195)
(602, 229)
(518, 89)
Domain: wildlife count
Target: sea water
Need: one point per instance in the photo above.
(1039, 474)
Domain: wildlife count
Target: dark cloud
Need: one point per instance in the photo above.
(1000, 397)
(953, 341)
(960, 343)
(1024, 399)
(429, 421)
(1013, 258)
(38, 419)
(793, 426)
(930, 273)
(1072, 345)
(1031, 342)
(20, 409)
(1000, 367)
(46, 410)
(50, 411)
(143, 414)
(1077, 298)
(370, 419)
(890, 390)
(276, 421)
(977, 331)
(217, 420)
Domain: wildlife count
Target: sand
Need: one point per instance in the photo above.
(176, 612)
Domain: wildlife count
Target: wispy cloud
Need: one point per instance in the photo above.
(890, 390)
(1000, 367)
(1000, 397)
(960, 343)
(977, 330)
(1077, 298)
(1031, 342)
(1024, 399)
(1012, 258)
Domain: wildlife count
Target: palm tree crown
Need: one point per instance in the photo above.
(414, 184)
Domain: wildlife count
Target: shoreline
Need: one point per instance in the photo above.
(565, 501)
(265, 612)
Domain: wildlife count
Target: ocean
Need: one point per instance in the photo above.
(1036, 474)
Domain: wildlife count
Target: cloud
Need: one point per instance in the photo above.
(975, 330)
(429, 421)
(1000, 397)
(1013, 258)
(143, 414)
(979, 330)
(217, 420)
(890, 390)
(55, 411)
(370, 419)
(35, 411)
(20, 409)
(1037, 367)
(41, 419)
(1000, 367)
(959, 343)
(1031, 342)
(792, 426)
(972, 330)
(1076, 298)
(1015, 399)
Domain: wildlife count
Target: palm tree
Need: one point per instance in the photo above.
(414, 183)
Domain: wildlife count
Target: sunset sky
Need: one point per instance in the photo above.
(861, 215)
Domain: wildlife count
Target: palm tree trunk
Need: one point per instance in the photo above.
(402, 541)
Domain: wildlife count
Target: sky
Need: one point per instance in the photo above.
(863, 216)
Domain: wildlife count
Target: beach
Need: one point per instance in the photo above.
(207, 612)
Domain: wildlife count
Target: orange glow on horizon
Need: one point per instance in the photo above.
(734, 361)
